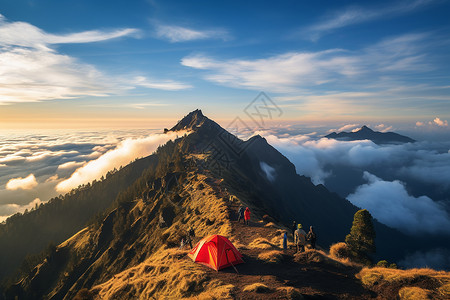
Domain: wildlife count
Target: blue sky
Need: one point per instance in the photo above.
(141, 63)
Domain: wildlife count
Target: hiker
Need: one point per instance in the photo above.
(294, 228)
(285, 241)
(241, 214)
(246, 215)
(188, 241)
(300, 238)
(162, 222)
(190, 236)
(191, 231)
(311, 237)
(182, 243)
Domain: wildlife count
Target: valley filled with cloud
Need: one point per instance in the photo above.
(35, 168)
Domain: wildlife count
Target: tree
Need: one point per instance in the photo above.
(361, 239)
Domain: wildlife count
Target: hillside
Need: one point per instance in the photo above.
(143, 260)
(199, 180)
(365, 133)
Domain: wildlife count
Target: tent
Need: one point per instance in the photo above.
(216, 252)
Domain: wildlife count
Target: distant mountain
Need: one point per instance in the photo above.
(198, 180)
(365, 133)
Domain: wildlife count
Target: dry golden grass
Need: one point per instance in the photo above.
(237, 244)
(257, 288)
(274, 256)
(168, 273)
(216, 290)
(262, 243)
(406, 279)
(413, 293)
(402, 276)
(339, 251)
(79, 240)
(272, 225)
(291, 293)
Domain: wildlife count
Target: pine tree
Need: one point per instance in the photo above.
(361, 239)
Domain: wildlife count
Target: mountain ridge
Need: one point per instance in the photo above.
(198, 180)
(365, 133)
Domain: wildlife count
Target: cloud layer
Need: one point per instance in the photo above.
(39, 161)
(390, 203)
(415, 176)
(122, 155)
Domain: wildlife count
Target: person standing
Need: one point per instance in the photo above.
(246, 215)
(190, 236)
(311, 237)
(285, 241)
(300, 238)
(241, 214)
(294, 228)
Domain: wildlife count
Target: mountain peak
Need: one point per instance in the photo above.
(365, 128)
(191, 121)
(365, 133)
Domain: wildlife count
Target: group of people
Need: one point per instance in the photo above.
(301, 237)
(244, 214)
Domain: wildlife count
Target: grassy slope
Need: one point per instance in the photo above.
(269, 272)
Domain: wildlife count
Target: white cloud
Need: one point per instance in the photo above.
(383, 127)
(277, 73)
(175, 34)
(168, 85)
(348, 127)
(301, 72)
(7, 210)
(32, 70)
(418, 124)
(26, 35)
(356, 15)
(440, 122)
(71, 165)
(390, 203)
(268, 171)
(122, 155)
(26, 183)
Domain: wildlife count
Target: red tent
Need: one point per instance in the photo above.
(216, 252)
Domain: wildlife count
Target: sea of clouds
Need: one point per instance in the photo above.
(37, 167)
(405, 186)
(395, 182)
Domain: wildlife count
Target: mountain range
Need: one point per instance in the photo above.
(137, 216)
(365, 133)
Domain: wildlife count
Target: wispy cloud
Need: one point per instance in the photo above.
(168, 85)
(32, 70)
(356, 15)
(279, 73)
(176, 34)
(26, 35)
(294, 71)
